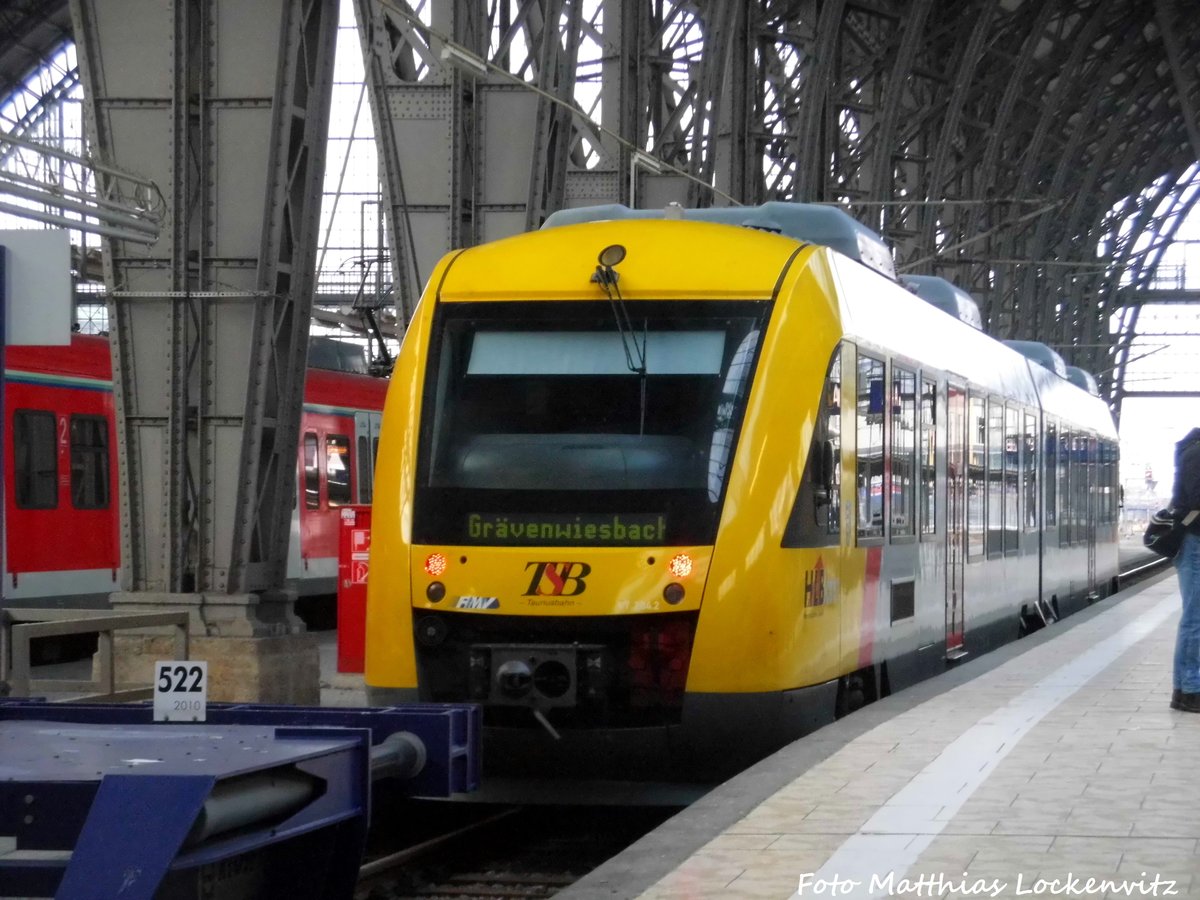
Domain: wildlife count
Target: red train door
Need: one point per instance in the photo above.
(956, 516)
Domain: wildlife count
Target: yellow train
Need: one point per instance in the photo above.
(663, 490)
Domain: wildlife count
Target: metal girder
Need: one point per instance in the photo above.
(30, 32)
(425, 110)
(990, 143)
(981, 138)
(225, 105)
(552, 136)
(1186, 82)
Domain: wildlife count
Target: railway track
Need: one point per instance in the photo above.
(515, 852)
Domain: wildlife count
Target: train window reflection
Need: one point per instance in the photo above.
(1012, 479)
(928, 457)
(832, 418)
(312, 473)
(1051, 474)
(1029, 471)
(871, 510)
(337, 469)
(815, 520)
(89, 462)
(364, 470)
(995, 479)
(976, 466)
(904, 446)
(1067, 513)
(35, 460)
(566, 409)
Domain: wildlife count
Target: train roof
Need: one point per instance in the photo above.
(692, 260)
(1084, 380)
(810, 223)
(946, 296)
(344, 389)
(337, 355)
(1042, 354)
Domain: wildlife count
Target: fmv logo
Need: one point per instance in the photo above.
(477, 603)
(557, 579)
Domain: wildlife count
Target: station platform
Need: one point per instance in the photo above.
(1024, 773)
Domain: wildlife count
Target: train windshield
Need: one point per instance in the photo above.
(547, 423)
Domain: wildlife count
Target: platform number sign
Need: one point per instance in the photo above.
(180, 690)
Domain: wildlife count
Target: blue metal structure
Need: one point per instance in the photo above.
(98, 801)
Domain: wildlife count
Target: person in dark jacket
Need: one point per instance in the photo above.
(1186, 496)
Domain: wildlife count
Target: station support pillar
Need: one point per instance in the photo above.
(257, 650)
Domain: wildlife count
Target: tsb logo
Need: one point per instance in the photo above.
(557, 579)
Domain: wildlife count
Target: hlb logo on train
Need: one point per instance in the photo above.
(557, 579)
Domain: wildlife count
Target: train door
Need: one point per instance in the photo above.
(956, 517)
(366, 441)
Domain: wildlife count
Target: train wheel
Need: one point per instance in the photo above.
(855, 691)
(1029, 620)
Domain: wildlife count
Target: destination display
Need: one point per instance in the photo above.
(596, 529)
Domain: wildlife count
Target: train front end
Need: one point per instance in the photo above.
(554, 470)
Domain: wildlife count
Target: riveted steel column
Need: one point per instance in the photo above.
(225, 105)
(298, 128)
(425, 130)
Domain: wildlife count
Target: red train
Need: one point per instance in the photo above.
(62, 545)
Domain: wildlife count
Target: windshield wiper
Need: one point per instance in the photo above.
(606, 277)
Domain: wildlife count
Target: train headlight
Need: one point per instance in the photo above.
(673, 593)
(435, 564)
(680, 565)
(436, 591)
(611, 255)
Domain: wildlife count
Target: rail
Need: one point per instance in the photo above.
(20, 627)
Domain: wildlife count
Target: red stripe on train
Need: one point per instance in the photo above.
(866, 640)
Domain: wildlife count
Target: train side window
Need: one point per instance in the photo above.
(1012, 479)
(35, 459)
(89, 462)
(995, 479)
(1051, 474)
(871, 511)
(1084, 482)
(1114, 482)
(815, 520)
(904, 446)
(1109, 455)
(1066, 519)
(312, 472)
(976, 466)
(337, 469)
(928, 457)
(364, 470)
(1029, 473)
